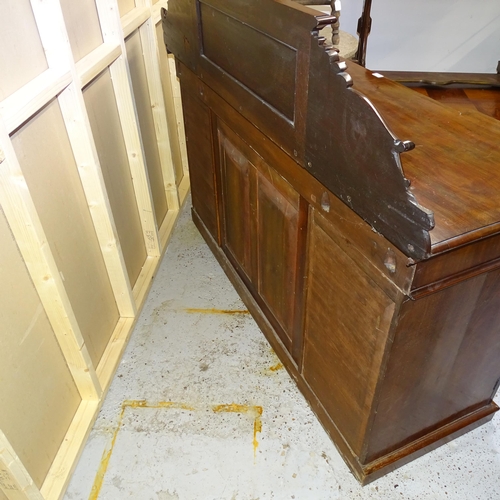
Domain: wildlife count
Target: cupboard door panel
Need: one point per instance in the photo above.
(261, 228)
(348, 318)
(277, 244)
(238, 176)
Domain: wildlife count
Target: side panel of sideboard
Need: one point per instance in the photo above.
(449, 345)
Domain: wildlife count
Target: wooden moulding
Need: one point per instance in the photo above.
(439, 79)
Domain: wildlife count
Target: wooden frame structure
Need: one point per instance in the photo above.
(84, 81)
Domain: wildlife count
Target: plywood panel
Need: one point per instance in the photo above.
(146, 123)
(83, 27)
(21, 52)
(125, 6)
(37, 394)
(106, 128)
(44, 152)
(170, 106)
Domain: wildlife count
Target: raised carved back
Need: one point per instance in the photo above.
(352, 152)
(266, 58)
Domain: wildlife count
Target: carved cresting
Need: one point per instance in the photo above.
(352, 152)
(325, 124)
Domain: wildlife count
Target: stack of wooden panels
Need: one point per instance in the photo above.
(92, 176)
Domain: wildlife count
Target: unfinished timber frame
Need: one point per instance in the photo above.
(93, 172)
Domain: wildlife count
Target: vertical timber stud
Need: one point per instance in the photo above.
(55, 41)
(25, 224)
(148, 39)
(15, 482)
(177, 98)
(112, 33)
(173, 112)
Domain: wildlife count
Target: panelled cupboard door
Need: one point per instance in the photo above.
(238, 186)
(260, 227)
(347, 324)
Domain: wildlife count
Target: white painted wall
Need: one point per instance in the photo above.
(430, 35)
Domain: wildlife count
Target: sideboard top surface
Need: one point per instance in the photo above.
(454, 169)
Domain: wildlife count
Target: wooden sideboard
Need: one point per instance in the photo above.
(358, 220)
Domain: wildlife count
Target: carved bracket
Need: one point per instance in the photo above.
(350, 149)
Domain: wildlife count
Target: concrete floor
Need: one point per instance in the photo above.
(201, 408)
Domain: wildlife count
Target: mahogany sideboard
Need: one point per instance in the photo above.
(358, 220)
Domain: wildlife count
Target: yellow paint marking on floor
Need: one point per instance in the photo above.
(103, 467)
(255, 411)
(257, 427)
(161, 404)
(216, 311)
(276, 367)
(106, 456)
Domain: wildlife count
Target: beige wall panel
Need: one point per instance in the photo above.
(105, 122)
(44, 151)
(83, 27)
(2, 496)
(146, 124)
(37, 393)
(21, 52)
(125, 6)
(169, 105)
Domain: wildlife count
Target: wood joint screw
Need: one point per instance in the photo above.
(309, 164)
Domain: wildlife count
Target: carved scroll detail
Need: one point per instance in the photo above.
(350, 149)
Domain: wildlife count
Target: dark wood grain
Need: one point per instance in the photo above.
(342, 375)
(350, 150)
(238, 179)
(233, 46)
(448, 345)
(261, 227)
(484, 100)
(197, 121)
(369, 471)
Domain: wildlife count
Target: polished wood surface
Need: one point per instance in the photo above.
(454, 167)
(484, 100)
(342, 376)
(395, 348)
